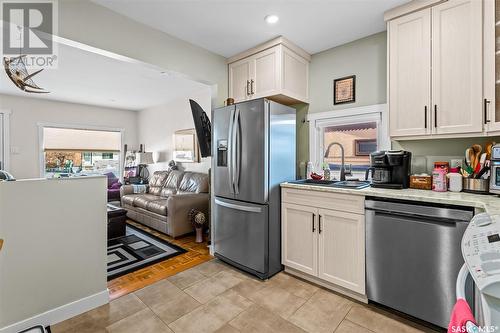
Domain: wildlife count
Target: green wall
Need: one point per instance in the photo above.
(365, 58)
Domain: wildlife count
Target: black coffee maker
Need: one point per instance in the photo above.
(390, 169)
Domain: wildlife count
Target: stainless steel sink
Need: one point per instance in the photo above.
(352, 184)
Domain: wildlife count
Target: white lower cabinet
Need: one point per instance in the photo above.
(300, 245)
(341, 249)
(327, 245)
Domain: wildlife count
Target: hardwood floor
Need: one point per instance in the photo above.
(196, 254)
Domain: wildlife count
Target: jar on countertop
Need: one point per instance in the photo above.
(439, 176)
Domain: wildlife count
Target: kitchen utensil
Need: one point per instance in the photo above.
(488, 150)
(477, 149)
(467, 156)
(483, 171)
(480, 165)
(480, 186)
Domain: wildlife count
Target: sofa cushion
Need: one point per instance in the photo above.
(157, 181)
(143, 200)
(158, 206)
(111, 178)
(194, 182)
(130, 198)
(172, 184)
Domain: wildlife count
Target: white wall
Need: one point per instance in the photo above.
(27, 113)
(89, 23)
(158, 124)
(54, 252)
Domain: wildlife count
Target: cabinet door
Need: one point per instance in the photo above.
(491, 74)
(294, 75)
(265, 77)
(410, 74)
(300, 238)
(457, 67)
(239, 80)
(341, 244)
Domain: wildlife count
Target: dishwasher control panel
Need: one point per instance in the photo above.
(481, 251)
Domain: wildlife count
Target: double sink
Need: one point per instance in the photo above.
(351, 184)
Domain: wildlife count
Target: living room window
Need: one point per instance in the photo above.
(71, 152)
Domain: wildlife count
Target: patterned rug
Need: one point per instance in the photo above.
(136, 250)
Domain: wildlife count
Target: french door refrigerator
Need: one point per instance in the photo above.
(254, 151)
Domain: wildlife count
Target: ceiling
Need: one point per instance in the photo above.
(227, 27)
(87, 77)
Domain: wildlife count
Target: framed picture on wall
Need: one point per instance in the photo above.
(344, 90)
(186, 147)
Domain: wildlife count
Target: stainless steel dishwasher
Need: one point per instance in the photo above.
(413, 256)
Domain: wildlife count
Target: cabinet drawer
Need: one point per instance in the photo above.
(335, 201)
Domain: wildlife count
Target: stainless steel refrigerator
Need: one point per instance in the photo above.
(253, 152)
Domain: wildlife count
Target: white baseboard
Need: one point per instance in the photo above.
(61, 313)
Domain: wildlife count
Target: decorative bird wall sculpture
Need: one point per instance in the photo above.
(15, 68)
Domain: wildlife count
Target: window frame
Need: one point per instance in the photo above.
(318, 121)
(41, 145)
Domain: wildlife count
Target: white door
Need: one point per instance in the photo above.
(341, 244)
(299, 239)
(457, 67)
(491, 74)
(239, 80)
(265, 78)
(410, 74)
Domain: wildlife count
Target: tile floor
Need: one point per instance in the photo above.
(214, 297)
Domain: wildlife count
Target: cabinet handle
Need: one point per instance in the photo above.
(248, 87)
(251, 87)
(486, 102)
(425, 116)
(319, 220)
(435, 116)
(1, 244)
(314, 229)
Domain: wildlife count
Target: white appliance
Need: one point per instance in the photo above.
(481, 252)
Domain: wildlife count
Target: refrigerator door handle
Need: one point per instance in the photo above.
(234, 148)
(238, 207)
(237, 152)
(230, 149)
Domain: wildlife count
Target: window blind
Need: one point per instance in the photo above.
(80, 140)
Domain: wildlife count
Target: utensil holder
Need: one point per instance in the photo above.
(479, 186)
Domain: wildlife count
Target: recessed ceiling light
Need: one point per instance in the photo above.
(271, 19)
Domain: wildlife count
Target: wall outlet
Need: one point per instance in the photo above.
(454, 163)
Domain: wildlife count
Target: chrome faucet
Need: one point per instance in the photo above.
(342, 167)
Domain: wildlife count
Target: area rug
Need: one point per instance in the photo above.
(136, 250)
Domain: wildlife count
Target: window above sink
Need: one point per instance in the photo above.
(360, 130)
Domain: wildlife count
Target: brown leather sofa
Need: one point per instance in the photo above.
(169, 198)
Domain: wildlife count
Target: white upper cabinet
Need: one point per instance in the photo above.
(457, 67)
(266, 79)
(277, 70)
(239, 73)
(435, 70)
(410, 74)
(491, 74)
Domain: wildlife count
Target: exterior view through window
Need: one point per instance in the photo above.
(359, 140)
(76, 152)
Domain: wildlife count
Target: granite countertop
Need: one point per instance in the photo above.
(488, 203)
